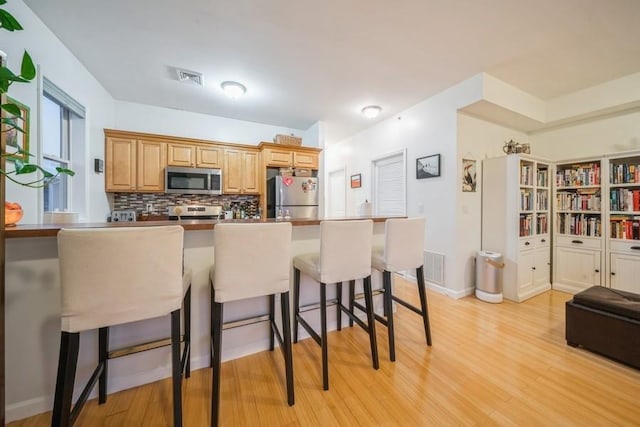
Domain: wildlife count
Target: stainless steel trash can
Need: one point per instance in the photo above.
(489, 269)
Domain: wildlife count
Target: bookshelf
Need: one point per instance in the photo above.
(516, 221)
(578, 230)
(623, 225)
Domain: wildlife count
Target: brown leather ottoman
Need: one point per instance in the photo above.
(605, 321)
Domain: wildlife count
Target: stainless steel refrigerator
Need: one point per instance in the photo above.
(295, 194)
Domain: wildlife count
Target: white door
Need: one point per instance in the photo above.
(577, 269)
(525, 270)
(542, 267)
(389, 185)
(337, 194)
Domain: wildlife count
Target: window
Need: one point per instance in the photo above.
(62, 141)
(389, 183)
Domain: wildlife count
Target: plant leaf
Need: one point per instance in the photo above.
(26, 168)
(10, 108)
(8, 22)
(27, 70)
(65, 171)
(3, 2)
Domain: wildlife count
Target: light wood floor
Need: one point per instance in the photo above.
(504, 364)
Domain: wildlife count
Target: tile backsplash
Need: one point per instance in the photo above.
(160, 201)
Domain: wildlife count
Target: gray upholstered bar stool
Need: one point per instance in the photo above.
(345, 255)
(251, 260)
(403, 250)
(111, 276)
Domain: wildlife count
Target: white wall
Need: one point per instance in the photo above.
(589, 138)
(477, 140)
(429, 127)
(59, 65)
(165, 121)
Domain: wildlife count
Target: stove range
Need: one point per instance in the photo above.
(194, 212)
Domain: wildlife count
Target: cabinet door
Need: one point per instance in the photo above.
(152, 159)
(120, 162)
(305, 160)
(625, 270)
(181, 155)
(525, 269)
(577, 269)
(232, 172)
(250, 174)
(541, 266)
(208, 157)
(274, 157)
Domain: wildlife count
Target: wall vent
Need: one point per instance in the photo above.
(191, 77)
(434, 267)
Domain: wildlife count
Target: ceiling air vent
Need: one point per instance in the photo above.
(192, 77)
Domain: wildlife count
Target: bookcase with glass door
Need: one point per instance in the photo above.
(516, 221)
(578, 228)
(623, 225)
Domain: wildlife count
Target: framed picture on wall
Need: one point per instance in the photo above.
(356, 180)
(17, 135)
(428, 166)
(468, 175)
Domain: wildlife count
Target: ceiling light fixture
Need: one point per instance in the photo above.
(371, 111)
(233, 90)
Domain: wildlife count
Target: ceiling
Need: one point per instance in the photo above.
(305, 61)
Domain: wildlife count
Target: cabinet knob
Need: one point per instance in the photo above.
(613, 273)
(597, 271)
(533, 268)
(635, 248)
(527, 243)
(543, 240)
(577, 241)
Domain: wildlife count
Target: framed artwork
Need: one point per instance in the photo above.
(468, 176)
(428, 167)
(356, 180)
(18, 142)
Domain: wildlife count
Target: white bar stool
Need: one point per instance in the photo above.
(251, 260)
(111, 276)
(345, 255)
(403, 250)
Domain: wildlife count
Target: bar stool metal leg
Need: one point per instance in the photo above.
(216, 333)
(296, 303)
(352, 298)
(339, 300)
(371, 320)
(288, 353)
(69, 347)
(186, 355)
(388, 305)
(176, 368)
(272, 319)
(323, 336)
(103, 359)
(423, 303)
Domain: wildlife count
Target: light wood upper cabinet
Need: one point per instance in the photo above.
(275, 157)
(152, 159)
(208, 157)
(305, 160)
(120, 155)
(240, 172)
(181, 155)
(250, 168)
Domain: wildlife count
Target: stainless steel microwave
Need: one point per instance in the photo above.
(193, 180)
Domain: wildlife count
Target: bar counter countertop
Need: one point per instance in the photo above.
(51, 230)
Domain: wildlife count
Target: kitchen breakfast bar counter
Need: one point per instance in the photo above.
(32, 313)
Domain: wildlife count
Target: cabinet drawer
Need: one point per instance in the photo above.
(528, 243)
(625, 246)
(579, 242)
(305, 160)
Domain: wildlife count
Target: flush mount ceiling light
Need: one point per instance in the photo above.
(233, 90)
(371, 111)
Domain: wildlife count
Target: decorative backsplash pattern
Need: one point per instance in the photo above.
(160, 201)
